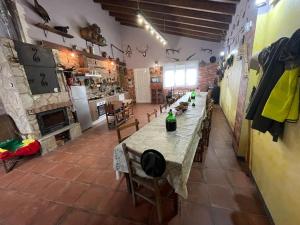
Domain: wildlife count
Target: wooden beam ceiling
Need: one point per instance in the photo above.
(204, 6)
(179, 20)
(180, 32)
(206, 20)
(166, 10)
(162, 27)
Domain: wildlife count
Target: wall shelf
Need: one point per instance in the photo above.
(52, 30)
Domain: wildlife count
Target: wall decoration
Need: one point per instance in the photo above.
(62, 28)
(189, 57)
(175, 59)
(207, 50)
(41, 11)
(92, 33)
(143, 52)
(173, 51)
(112, 47)
(62, 31)
(128, 51)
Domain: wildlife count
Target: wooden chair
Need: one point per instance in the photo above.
(149, 115)
(126, 126)
(153, 185)
(115, 114)
(128, 110)
(164, 106)
(205, 132)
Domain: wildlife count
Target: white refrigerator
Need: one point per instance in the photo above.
(81, 105)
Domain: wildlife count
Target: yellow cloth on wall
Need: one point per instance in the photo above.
(283, 102)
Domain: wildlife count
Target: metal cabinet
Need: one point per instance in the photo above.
(32, 55)
(42, 80)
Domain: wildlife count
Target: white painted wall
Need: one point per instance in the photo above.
(72, 13)
(137, 37)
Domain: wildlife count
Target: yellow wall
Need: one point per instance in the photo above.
(230, 85)
(276, 166)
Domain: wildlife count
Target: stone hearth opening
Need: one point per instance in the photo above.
(52, 120)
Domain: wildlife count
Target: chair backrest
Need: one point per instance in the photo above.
(8, 129)
(133, 160)
(209, 110)
(126, 126)
(154, 113)
(161, 107)
(109, 108)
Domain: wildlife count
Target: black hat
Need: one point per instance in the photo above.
(153, 163)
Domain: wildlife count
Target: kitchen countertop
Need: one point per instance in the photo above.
(108, 96)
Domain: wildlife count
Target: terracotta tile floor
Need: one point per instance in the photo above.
(76, 185)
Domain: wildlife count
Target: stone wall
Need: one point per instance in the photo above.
(2, 110)
(12, 102)
(16, 95)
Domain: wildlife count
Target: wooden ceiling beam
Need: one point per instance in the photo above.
(204, 6)
(120, 5)
(226, 1)
(169, 23)
(116, 11)
(179, 32)
(161, 27)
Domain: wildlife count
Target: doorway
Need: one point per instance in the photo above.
(142, 85)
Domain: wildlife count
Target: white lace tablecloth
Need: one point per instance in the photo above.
(178, 147)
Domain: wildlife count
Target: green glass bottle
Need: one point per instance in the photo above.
(193, 94)
(171, 121)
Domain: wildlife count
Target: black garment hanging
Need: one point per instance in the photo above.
(272, 71)
(272, 60)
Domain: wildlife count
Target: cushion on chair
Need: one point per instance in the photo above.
(153, 163)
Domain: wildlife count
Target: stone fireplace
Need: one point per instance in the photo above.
(52, 120)
(27, 109)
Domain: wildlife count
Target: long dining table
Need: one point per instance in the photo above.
(177, 147)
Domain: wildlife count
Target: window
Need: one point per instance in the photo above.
(181, 75)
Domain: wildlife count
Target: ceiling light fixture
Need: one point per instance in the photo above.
(142, 21)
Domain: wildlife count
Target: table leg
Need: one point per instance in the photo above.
(117, 175)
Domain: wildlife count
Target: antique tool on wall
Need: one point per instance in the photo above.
(112, 46)
(143, 52)
(173, 51)
(128, 51)
(189, 57)
(175, 59)
(41, 11)
(207, 50)
(62, 28)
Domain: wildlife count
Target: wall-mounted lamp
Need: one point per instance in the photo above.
(143, 22)
(222, 53)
